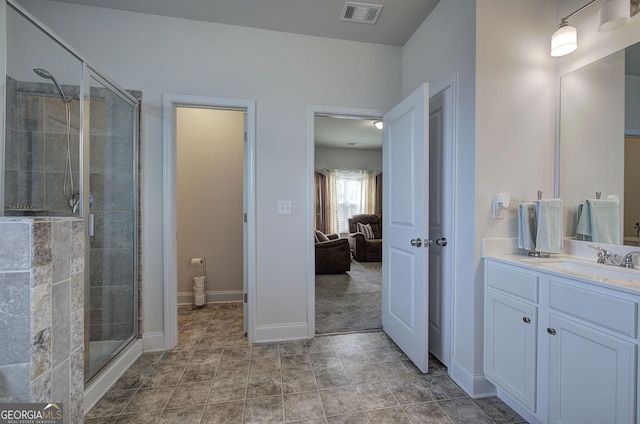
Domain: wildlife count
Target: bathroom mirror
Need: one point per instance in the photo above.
(600, 139)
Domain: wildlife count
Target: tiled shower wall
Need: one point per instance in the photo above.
(42, 322)
(36, 147)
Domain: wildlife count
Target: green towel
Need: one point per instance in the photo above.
(549, 234)
(527, 226)
(605, 220)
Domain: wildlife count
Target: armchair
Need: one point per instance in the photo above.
(366, 250)
(333, 255)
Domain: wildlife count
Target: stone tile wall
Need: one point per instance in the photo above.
(42, 313)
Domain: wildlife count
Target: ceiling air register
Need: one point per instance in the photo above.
(360, 12)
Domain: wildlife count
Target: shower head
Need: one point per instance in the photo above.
(43, 73)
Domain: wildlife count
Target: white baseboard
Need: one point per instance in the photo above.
(110, 374)
(186, 298)
(475, 385)
(523, 411)
(278, 333)
(153, 342)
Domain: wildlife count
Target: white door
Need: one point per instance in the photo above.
(437, 231)
(405, 295)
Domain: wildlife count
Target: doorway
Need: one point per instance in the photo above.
(246, 108)
(209, 204)
(440, 318)
(347, 191)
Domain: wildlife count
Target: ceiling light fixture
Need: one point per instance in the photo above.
(378, 124)
(614, 14)
(565, 39)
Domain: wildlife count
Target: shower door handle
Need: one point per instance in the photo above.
(90, 224)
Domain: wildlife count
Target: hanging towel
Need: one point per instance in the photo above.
(605, 220)
(527, 226)
(583, 228)
(549, 234)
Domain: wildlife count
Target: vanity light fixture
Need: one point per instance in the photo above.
(614, 14)
(565, 39)
(378, 124)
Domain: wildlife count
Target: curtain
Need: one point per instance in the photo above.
(340, 194)
(326, 216)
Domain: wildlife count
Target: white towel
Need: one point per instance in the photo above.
(605, 220)
(527, 226)
(549, 234)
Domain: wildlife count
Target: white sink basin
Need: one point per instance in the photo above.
(594, 271)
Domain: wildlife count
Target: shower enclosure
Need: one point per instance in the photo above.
(70, 149)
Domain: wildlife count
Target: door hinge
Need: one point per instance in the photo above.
(245, 298)
(244, 217)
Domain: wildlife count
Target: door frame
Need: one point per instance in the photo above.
(312, 111)
(169, 214)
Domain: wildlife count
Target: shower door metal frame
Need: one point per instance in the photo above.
(85, 170)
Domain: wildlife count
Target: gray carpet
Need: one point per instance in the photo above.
(351, 301)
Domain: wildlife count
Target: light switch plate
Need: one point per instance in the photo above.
(284, 207)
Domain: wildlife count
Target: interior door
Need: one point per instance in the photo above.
(405, 294)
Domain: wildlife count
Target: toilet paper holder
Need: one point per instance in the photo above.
(200, 290)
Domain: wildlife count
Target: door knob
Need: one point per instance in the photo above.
(441, 242)
(416, 242)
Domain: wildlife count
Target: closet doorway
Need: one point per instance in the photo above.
(216, 197)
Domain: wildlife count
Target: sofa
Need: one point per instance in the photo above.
(366, 249)
(333, 255)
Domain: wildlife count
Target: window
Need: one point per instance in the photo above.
(352, 196)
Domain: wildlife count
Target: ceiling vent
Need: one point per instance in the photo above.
(360, 12)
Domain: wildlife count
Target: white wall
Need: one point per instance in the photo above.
(282, 72)
(443, 46)
(515, 119)
(337, 158)
(209, 169)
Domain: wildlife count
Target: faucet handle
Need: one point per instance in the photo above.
(602, 253)
(627, 261)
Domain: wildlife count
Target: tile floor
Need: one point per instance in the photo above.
(215, 376)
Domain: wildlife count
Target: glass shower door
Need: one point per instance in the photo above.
(112, 219)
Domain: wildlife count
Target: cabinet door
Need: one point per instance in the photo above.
(510, 346)
(591, 375)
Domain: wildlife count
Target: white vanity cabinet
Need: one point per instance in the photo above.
(592, 355)
(511, 320)
(563, 349)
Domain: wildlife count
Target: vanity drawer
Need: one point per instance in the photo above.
(610, 312)
(511, 281)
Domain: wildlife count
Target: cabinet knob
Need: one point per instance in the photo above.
(551, 331)
(526, 320)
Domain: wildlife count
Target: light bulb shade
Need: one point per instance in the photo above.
(564, 41)
(614, 14)
(378, 124)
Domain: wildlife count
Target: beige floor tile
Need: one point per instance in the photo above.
(215, 374)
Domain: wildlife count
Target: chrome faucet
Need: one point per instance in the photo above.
(627, 261)
(604, 255)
